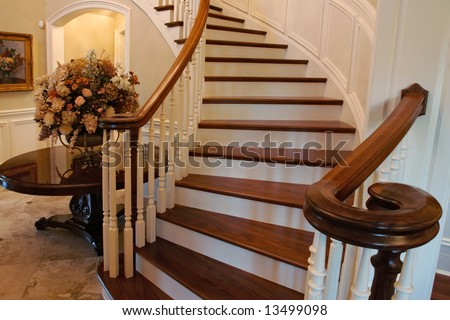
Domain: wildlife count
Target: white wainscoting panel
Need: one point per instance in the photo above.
(361, 64)
(305, 20)
(271, 12)
(339, 42)
(4, 141)
(18, 133)
(243, 5)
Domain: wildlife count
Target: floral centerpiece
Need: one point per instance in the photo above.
(10, 60)
(71, 100)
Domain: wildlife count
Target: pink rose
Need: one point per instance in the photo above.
(86, 92)
(79, 101)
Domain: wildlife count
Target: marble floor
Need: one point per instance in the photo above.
(51, 264)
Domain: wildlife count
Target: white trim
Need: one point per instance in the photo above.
(55, 28)
(446, 242)
(443, 272)
(17, 112)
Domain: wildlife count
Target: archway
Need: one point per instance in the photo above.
(56, 48)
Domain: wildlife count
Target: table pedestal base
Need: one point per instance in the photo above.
(85, 220)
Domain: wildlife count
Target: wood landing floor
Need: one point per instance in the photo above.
(441, 288)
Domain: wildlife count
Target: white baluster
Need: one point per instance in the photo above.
(360, 289)
(151, 208)
(311, 259)
(318, 272)
(161, 203)
(395, 165)
(176, 10)
(128, 230)
(140, 222)
(170, 177)
(113, 228)
(181, 170)
(403, 286)
(105, 199)
(333, 270)
(403, 156)
(347, 272)
(185, 18)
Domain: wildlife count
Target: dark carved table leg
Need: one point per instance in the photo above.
(85, 220)
(387, 266)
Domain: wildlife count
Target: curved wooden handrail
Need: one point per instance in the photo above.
(145, 113)
(398, 217)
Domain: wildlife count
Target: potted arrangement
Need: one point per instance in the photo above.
(70, 101)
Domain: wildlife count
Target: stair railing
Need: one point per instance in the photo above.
(170, 116)
(397, 218)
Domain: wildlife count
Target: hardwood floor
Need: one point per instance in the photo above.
(441, 288)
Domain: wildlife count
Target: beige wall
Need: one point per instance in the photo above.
(89, 31)
(22, 16)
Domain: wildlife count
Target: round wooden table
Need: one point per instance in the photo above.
(55, 171)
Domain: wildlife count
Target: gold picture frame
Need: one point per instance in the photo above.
(16, 62)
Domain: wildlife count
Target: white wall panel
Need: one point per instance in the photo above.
(18, 133)
(305, 19)
(271, 12)
(4, 143)
(24, 133)
(339, 42)
(362, 61)
(243, 5)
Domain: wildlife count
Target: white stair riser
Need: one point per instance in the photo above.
(255, 170)
(167, 284)
(287, 139)
(254, 69)
(269, 112)
(227, 35)
(165, 15)
(274, 89)
(262, 266)
(243, 208)
(244, 52)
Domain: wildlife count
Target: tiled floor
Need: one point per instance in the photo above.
(49, 264)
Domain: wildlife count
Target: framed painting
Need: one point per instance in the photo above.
(16, 62)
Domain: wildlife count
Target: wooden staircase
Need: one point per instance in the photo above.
(237, 231)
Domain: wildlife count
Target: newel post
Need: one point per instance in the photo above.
(387, 265)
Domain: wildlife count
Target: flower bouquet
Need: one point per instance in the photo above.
(71, 100)
(10, 60)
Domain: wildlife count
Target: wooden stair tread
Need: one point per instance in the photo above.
(273, 100)
(279, 125)
(135, 288)
(281, 193)
(169, 7)
(225, 17)
(281, 243)
(264, 79)
(256, 60)
(211, 279)
(234, 29)
(291, 156)
(246, 44)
